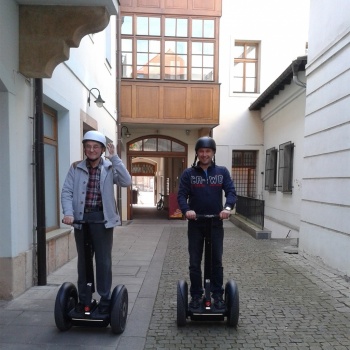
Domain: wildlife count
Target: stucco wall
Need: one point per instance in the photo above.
(325, 219)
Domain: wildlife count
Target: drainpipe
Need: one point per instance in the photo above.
(295, 75)
(119, 145)
(40, 183)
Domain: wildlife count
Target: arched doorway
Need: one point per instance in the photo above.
(160, 161)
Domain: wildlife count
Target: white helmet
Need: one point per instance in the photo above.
(94, 135)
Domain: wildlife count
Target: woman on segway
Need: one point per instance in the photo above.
(200, 192)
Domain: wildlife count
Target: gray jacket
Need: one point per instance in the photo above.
(74, 189)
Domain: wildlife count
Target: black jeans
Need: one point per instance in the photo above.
(196, 234)
(102, 242)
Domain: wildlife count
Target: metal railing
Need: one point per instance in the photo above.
(252, 209)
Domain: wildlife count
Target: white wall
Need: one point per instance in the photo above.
(283, 120)
(325, 219)
(281, 27)
(16, 171)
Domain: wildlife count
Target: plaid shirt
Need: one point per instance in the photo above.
(93, 194)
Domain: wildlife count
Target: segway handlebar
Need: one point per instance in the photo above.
(82, 222)
(207, 216)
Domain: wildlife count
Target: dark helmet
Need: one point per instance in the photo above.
(205, 142)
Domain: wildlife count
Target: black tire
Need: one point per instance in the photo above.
(66, 299)
(182, 303)
(119, 309)
(160, 205)
(232, 303)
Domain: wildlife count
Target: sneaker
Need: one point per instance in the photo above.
(196, 302)
(219, 302)
(79, 308)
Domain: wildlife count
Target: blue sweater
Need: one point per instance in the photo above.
(202, 191)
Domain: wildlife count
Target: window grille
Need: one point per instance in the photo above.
(271, 169)
(285, 168)
(244, 172)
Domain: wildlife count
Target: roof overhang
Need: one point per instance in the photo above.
(284, 79)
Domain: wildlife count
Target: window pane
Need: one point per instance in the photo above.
(154, 46)
(250, 70)
(164, 145)
(181, 29)
(170, 26)
(182, 59)
(126, 58)
(196, 61)
(239, 51)
(197, 26)
(170, 47)
(142, 45)
(208, 48)
(136, 146)
(150, 145)
(196, 74)
(142, 26)
(209, 28)
(251, 52)
(250, 85)
(197, 48)
(154, 60)
(238, 69)
(127, 45)
(49, 130)
(126, 25)
(176, 147)
(50, 185)
(181, 47)
(208, 61)
(127, 72)
(208, 74)
(154, 26)
(154, 72)
(142, 58)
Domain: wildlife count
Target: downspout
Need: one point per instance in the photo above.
(118, 68)
(40, 183)
(295, 70)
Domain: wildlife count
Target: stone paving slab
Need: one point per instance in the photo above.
(286, 301)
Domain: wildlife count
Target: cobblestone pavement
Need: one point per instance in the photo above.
(286, 301)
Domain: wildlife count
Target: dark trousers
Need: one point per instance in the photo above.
(102, 242)
(196, 234)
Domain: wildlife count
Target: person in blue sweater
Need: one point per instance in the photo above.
(200, 192)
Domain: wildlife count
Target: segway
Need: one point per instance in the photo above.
(67, 297)
(207, 310)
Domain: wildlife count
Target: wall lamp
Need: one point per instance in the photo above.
(127, 133)
(99, 102)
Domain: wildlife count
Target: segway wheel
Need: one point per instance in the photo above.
(66, 299)
(119, 309)
(232, 302)
(182, 303)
